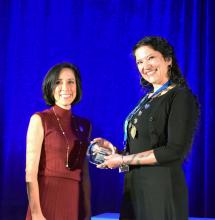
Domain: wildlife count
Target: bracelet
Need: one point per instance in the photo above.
(123, 162)
(124, 167)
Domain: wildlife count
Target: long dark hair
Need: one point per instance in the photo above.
(162, 45)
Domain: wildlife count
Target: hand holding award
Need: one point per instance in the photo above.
(98, 149)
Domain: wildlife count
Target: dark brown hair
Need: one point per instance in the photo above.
(51, 77)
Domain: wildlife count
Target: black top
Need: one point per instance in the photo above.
(166, 125)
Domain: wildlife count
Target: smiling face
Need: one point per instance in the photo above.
(152, 65)
(65, 88)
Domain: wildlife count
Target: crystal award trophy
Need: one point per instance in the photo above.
(96, 153)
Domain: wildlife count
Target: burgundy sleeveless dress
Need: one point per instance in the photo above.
(59, 187)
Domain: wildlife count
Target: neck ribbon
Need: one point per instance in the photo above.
(139, 106)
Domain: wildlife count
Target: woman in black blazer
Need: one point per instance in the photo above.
(158, 136)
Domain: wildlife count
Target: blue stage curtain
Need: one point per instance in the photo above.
(98, 35)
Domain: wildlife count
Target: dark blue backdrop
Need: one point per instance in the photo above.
(98, 35)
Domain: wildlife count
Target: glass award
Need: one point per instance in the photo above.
(96, 153)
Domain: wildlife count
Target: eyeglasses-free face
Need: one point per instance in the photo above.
(152, 66)
(65, 88)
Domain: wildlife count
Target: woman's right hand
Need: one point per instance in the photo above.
(105, 144)
(38, 216)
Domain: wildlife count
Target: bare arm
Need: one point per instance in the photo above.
(116, 160)
(143, 158)
(35, 137)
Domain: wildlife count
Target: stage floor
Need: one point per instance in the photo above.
(115, 216)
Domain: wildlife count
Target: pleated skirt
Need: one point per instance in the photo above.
(59, 198)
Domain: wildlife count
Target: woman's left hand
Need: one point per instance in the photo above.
(112, 161)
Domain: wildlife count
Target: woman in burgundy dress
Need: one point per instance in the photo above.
(56, 170)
